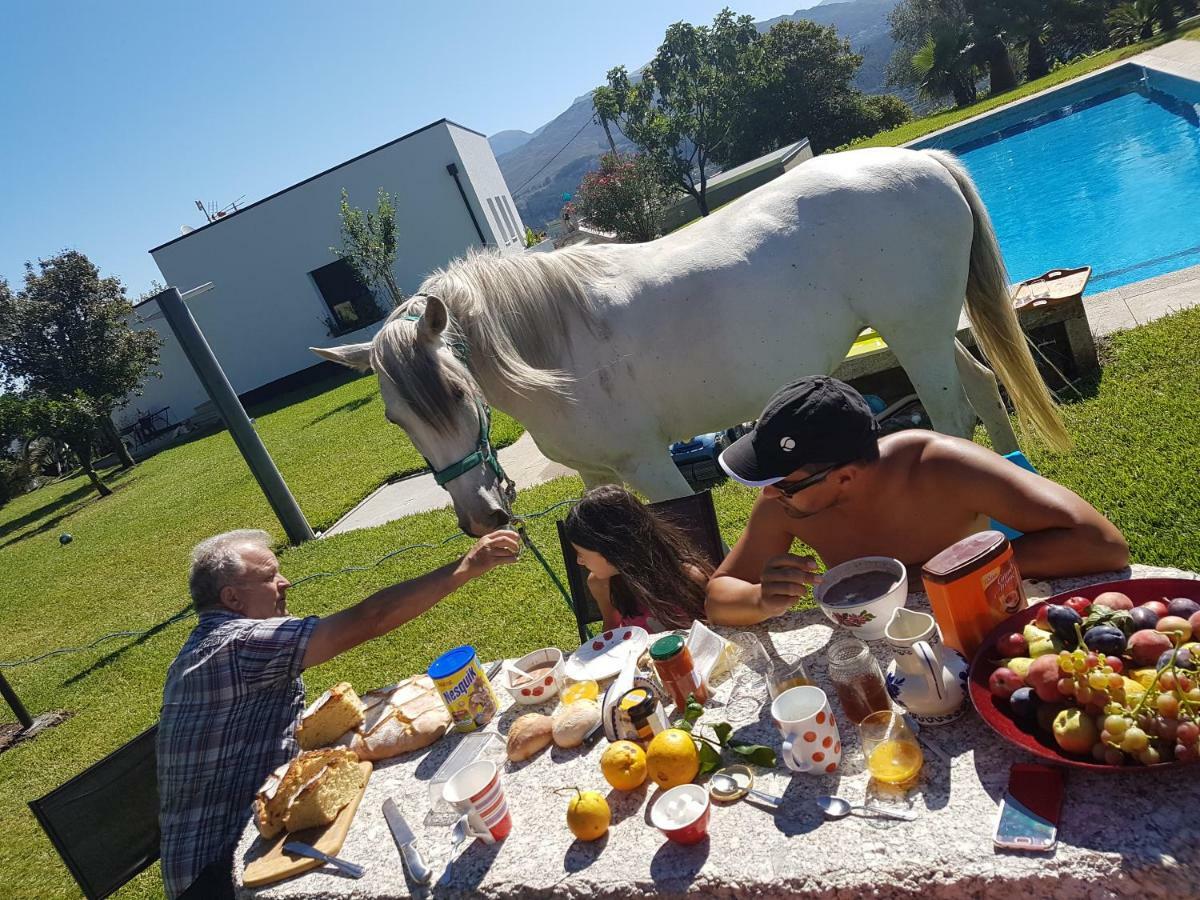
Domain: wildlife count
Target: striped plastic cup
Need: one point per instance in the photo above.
(476, 791)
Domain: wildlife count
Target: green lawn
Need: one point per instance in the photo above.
(928, 124)
(1137, 449)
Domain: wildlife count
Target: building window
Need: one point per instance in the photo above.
(352, 305)
(507, 201)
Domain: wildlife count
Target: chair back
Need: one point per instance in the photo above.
(693, 514)
(104, 821)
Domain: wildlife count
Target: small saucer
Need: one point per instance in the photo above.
(739, 773)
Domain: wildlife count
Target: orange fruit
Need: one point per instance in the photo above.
(588, 815)
(624, 765)
(672, 758)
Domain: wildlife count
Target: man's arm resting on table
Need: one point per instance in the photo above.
(392, 606)
(1062, 533)
(759, 579)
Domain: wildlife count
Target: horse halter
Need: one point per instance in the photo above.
(483, 454)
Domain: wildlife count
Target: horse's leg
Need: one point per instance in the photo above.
(596, 477)
(655, 475)
(928, 360)
(984, 394)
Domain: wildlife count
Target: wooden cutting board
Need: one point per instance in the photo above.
(274, 864)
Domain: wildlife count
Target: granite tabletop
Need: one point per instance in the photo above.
(1124, 834)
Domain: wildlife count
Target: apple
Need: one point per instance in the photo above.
(1003, 682)
(1081, 605)
(1114, 600)
(1159, 607)
(1012, 644)
(1075, 731)
(1174, 627)
(1043, 611)
(1194, 621)
(1043, 677)
(1145, 647)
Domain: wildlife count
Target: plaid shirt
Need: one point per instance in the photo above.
(231, 703)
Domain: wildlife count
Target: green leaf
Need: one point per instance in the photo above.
(710, 758)
(754, 753)
(691, 713)
(723, 730)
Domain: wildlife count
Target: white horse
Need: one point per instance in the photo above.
(607, 353)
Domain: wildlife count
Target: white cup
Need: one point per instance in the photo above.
(811, 742)
(476, 792)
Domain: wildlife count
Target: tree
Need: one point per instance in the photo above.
(1132, 22)
(369, 242)
(67, 335)
(801, 87)
(624, 196)
(70, 420)
(678, 114)
(604, 102)
(944, 65)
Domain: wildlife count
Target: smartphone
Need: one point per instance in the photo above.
(1028, 818)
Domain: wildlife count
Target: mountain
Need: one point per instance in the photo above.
(541, 167)
(505, 141)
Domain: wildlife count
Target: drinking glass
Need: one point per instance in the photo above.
(857, 679)
(786, 672)
(749, 674)
(891, 749)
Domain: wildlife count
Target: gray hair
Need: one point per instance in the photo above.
(216, 561)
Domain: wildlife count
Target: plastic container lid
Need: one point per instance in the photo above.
(966, 556)
(451, 661)
(666, 647)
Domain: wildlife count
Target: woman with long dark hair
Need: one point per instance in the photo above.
(642, 570)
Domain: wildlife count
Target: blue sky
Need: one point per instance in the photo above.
(116, 116)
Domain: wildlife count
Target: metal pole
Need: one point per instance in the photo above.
(212, 376)
(11, 698)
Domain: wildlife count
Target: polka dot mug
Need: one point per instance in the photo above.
(811, 742)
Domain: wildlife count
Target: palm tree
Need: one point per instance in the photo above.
(944, 65)
(1132, 22)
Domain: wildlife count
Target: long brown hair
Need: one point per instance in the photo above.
(651, 555)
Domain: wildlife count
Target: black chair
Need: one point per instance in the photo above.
(693, 514)
(104, 821)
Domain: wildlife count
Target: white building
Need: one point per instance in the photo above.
(279, 289)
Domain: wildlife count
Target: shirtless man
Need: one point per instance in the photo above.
(829, 480)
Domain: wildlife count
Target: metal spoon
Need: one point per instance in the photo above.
(458, 834)
(727, 784)
(837, 808)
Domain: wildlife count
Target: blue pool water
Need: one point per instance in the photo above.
(1106, 174)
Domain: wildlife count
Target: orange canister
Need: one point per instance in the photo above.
(973, 586)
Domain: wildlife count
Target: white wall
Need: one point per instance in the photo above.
(265, 310)
(504, 226)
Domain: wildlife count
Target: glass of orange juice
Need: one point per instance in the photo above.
(891, 749)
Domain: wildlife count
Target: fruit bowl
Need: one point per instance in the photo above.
(996, 713)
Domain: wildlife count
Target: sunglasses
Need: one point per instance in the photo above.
(791, 488)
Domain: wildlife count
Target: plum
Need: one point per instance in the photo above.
(1145, 647)
(1183, 607)
(1024, 703)
(1184, 659)
(1063, 620)
(1047, 713)
(1175, 627)
(1043, 678)
(1143, 617)
(1113, 600)
(1040, 620)
(1003, 682)
(1105, 639)
(1012, 644)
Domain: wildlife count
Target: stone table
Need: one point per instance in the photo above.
(1133, 833)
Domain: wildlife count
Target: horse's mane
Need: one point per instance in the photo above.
(512, 313)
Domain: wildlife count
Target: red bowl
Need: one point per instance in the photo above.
(691, 832)
(995, 712)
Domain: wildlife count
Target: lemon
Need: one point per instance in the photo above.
(580, 690)
(672, 758)
(624, 765)
(588, 815)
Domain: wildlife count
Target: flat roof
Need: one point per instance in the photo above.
(313, 178)
(782, 155)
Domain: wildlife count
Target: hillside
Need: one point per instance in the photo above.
(555, 158)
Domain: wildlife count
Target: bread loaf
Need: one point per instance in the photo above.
(308, 791)
(573, 722)
(529, 735)
(329, 717)
(399, 719)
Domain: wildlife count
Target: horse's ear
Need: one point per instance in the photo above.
(353, 356)
(433, 319)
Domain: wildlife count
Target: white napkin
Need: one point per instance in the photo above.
(707, 649)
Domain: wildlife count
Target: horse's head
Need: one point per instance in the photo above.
(431, 394)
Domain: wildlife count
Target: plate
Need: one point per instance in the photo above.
(604, 655)
(995, 713)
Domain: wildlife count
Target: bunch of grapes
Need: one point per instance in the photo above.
(1164, 724)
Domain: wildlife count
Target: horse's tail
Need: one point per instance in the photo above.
(994, 321)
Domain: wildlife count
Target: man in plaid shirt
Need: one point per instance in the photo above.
(234, 695)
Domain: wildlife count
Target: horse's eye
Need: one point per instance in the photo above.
(458, 393)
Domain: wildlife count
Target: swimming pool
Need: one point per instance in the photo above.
(1104, 173)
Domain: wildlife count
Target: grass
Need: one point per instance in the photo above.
(910, 131)
(1137, 446)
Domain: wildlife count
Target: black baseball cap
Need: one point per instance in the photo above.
(813, 421)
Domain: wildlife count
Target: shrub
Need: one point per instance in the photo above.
(624, 196)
